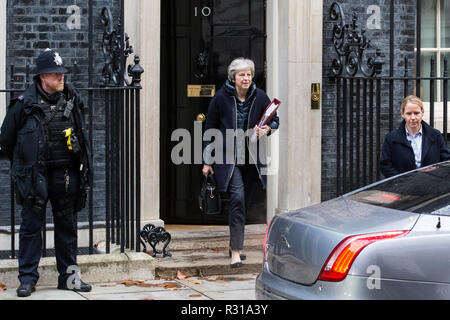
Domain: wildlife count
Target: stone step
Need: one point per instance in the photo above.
(211, 237)
(203, 251)
(97, 268)
(206, 262)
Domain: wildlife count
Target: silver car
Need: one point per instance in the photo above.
(389, 240)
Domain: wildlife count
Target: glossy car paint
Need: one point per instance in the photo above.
(414, 266)
(272, 287)
(300, 242)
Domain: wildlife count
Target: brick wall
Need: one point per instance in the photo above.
(404, 46)
(34, 25)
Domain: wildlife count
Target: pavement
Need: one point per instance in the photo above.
(198, 269)
(218, 287)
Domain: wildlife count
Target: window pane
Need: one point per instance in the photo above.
(428, 23)
(445, 23)
(425, 67)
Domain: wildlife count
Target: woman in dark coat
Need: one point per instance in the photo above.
(235, 111)
(414, 144)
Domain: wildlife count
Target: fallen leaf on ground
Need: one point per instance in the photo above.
(173, 289)
(195, 295)
(169, 285)
(145, 285)
(130, 283)
(108, 285)
(242, 279)
(141, 283)
(138, 283)
(219, 278)
(194, 281)
(181, 275)
(2, 287)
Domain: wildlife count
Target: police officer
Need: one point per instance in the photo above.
(44, 136)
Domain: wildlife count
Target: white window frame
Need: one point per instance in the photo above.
(438, 103)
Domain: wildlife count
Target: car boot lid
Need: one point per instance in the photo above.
(300, 242)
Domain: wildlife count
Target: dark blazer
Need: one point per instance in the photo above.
(222, 115)
(398, 156)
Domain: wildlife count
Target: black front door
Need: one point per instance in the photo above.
(199, 40)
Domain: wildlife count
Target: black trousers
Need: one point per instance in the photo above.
(242, 185)
(65, 231)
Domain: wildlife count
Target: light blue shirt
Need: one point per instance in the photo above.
(416, 144)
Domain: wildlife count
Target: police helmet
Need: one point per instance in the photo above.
(49, 61)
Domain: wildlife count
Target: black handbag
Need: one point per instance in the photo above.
(209, 198)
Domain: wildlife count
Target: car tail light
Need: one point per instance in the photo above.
(342, 257)
(265, 239)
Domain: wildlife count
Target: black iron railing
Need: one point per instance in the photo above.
(368, 102)
(119, 106)
(113, 113)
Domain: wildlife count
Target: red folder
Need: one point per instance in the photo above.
(267, 116)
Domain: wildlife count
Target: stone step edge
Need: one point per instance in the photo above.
(214, 232)
(207, 263)
(107, 268)
(98, 268)
(210, 244)
(162, 272)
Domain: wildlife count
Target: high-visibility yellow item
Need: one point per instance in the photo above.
(68, 133)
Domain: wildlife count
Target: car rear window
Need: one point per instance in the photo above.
(423, 191)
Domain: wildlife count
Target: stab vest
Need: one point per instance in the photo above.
(58, 154)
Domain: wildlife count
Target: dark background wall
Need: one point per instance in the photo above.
(404, 40)
(33, 26)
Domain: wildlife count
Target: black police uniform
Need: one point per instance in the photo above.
(44, 168)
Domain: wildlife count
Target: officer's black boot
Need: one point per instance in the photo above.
(25, 289)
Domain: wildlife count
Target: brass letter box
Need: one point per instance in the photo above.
(201, 90)
(315, 96)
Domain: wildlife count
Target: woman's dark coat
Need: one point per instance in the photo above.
(222, 115)
(398, 156)
(22, 139)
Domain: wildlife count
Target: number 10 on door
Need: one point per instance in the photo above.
(205, 11)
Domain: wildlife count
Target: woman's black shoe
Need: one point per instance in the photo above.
(25, 289)
(243, 256)
(236, 265)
